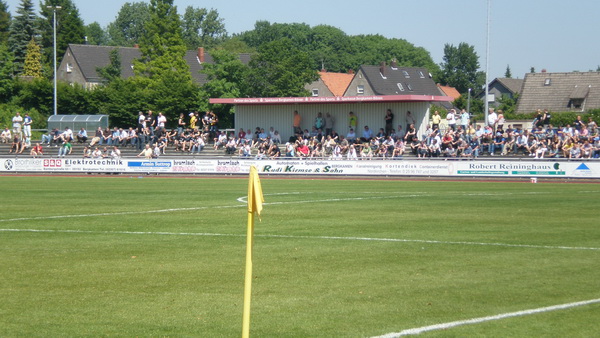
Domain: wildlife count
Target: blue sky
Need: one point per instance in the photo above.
(559, 36)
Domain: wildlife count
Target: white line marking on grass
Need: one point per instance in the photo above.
(199, 208)
(399, 240)
(449, 325)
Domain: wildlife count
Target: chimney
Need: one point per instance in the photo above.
(350, 71)
(382, 68)
(543, 70)
(394, 63)
(136, 46)
(201, 54)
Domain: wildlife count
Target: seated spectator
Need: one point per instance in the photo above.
(37, 150)
(6, 136)
(221, 140)
(351, 136)
(261, 152)
(87, 152)
(302, 150)
(67, 135)
(198, 144)
(82, 136)
(245, 150)
(65, 149)
(17, 146)
(231, 146)
(97, 139)
(146, 152)
(274, 151)
(97, 153)
(352, 153)
(367, 134)
(115, 154)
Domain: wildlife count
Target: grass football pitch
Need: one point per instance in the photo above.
(164, 256)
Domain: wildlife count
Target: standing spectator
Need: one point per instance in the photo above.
(492, 118)
(436, 119)
(17, 122)
(410, 119)
(180, 124)
(389, 122)
(329, 121)
(296, 123)
(547, 117)
(464, 119)
(451, 119)
(500, 122)
(161, 121)
(193, 120)
(319, 121)
(27, 121)
(352, 121)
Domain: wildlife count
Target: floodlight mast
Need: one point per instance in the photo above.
(54, 8)
(487, 65)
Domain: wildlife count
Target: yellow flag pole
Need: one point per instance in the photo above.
(255, 199)
(248, 277)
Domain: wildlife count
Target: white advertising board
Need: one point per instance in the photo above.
(455, 168)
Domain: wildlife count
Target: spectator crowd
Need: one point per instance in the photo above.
(457, 138)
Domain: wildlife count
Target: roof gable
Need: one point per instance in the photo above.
(388, 80)
(556, 92)
(90, 57)
(336, 82)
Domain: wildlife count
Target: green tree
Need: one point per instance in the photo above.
(95, 35)
(69, 28)
(162, 70)
(4, 22)
(508, 104)
(33, 60)
(460, 68)
(128, 27)
(225, 79)
(202, 28)
(279, 70)
(112, 71)
(508, 73)
(6, 73)
(22, 29)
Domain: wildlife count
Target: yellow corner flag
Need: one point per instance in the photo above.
(255, 201)
(255, 195)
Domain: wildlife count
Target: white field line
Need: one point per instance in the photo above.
(397, 240)
(449, 325)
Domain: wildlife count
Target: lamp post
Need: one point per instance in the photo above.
(487, 64)
(54, 8)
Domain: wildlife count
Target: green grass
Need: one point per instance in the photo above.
(117, 269)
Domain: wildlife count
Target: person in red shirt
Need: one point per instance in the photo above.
(37, 150)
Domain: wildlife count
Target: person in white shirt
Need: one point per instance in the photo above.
(492, 118)
(17, 122)
(115, 153)
(6, 136)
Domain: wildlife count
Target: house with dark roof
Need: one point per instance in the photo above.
(80, 62)
(330, 84)
(500, 87)
(560, 92)
(392, 80)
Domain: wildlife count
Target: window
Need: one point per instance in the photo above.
(421, 75)
(69, 68)
(400, 86)
(409, 87)
(360, 90)
(406, 75)
(547, 82)
(315, 92)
